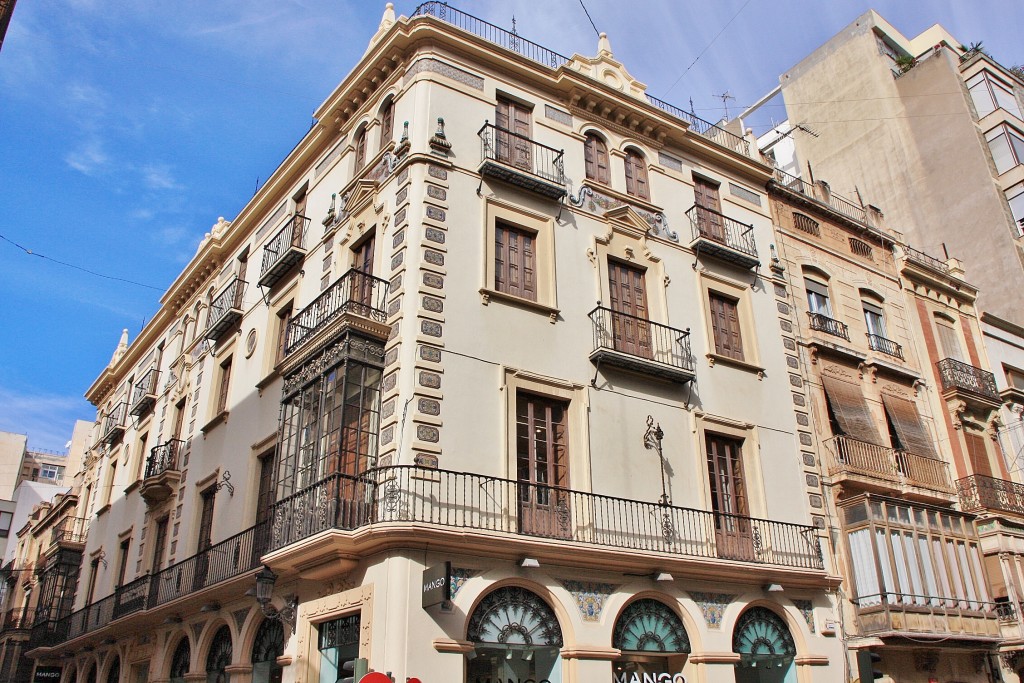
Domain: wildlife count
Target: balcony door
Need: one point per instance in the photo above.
(542, 463)
(709, 207)
(362, 284)
(513, 135)
(630, 327)
(729, 498)
(205, 537)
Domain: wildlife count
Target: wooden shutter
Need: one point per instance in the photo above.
(725, 326)
(709, 220)
(595, 156)
(361, 149)
(950, 340)
(362, 255)
(159, 545)
(636, 175)
(387, 124)
(514, 262)
(206, 519)
(909, 426)
(851, 410)
(628, 293)
(978, 454)
(512, 117)
(225, 384)
(725, 474)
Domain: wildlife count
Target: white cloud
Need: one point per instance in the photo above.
(48, 419)
(89, 157)
(158, 177)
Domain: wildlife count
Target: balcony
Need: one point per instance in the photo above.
(69, 533)
(284, 250)
(356, 299)
(145, 392)
(424, 498)
(519, 161)
(897, 613)
(715, 234)
(638, 345)
(234, 557)
(822, 323)
(973, 385)
(225, 310)
(923, 259)
(883, 345)
(162, 472)
(114, 424)
(880, 468)
(703, 128)
(820, 192)
(16, 620)
(979, 493)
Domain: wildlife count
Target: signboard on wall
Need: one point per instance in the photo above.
(436, 583)
(46, 674)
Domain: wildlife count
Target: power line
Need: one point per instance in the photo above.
(591, 20)
(707, 46)
(84, 270)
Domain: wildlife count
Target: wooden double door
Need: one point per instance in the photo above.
(512, 137)
(631, 328)
(542, 466)
(734, 535)
(709, 207)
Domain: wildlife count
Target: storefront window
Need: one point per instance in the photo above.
(338, 642)
(653, 641)
(516, 636)
(268, 646)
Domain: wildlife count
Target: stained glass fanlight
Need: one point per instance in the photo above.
(650, 626)
(514, 616)
(761, 633)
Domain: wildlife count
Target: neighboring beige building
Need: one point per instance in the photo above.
(19, 463)
(929, 131)
(391, 363)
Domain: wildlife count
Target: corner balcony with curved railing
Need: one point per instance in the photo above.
(640, 345)
(225, 310)
(114, 424)
(163, 471)
(715, 234)
(284, 250)
(145, 392)
(520, 161)
(355, 300)
(973, 385)
(887, 470)
(822, 323)
(981, 493)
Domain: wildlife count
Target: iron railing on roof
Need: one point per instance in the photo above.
(845, 206)
(921, 258)
(510, 40)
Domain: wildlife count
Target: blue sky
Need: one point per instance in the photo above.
(128, 126)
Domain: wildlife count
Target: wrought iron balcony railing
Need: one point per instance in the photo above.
(641, 345)
(145, 391)
(16, 619)
(884, 464)
(551, 59)
(114, 423)
(431, 497)
(163, 457)
(924, 259)
(70, 530)
(225, 309)
(727, 238)
(978, 493)
(284, 250)
(823, 323)
(959, 376)
(228, 559)
(518, 160)
(848, 208)
(886, 346)
(355, 292)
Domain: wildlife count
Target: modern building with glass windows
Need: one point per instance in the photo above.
(485, 383)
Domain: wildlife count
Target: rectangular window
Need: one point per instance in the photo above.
(6, 518)
(224, 386)
(542, 464)
(874, 319)
(989, 93)
(949, 340)
(725, 325)
(110, 483)
(709, 211)
(54, 473)
(1007, 145)
(978, 454)
(1014, 378)
(122, 560)
(514, 261)
(159, 544)
(817, 298)
(631, 328)
(1015, 198)
(207, 498)
(728, 496)
(337, 642)
(284, 316)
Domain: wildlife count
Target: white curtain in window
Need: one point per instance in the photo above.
(863, 561)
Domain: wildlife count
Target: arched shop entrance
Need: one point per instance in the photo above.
(219, 658)
(653, 642)
(180, 660)
(516, 636)
(268, 646)
(765, 646)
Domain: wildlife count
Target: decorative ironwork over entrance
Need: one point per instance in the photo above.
(762, 633)
(650, 626)
(514, 616)
(220, 651)
(269, 643)
(180, 659)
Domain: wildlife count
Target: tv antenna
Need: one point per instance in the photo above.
(725, 97)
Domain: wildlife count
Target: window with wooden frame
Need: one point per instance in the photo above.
(977, 453)
(725, 325)
(513, 121)
(122, 561)
(515, 261)
(387, 123)
(224, 385)
(284, 316)
(160, 543)
(595, 157)
(542, 464)
(949, 338)
(636, 175)
(360, 145)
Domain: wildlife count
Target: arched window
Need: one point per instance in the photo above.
(595, 155)
(219, 658)
(114, 675)
(652, 639)
(515, 635)
(761, 638)
(360, 143)
(180, 661)
(91, 676)
(268, 646)
(72, 676)
(387, 123)
(636, 175)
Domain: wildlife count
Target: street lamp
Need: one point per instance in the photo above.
(265, 580)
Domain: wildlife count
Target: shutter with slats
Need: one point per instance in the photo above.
(851, 410)
(725, 326)
(978, 454)
(909, 425)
